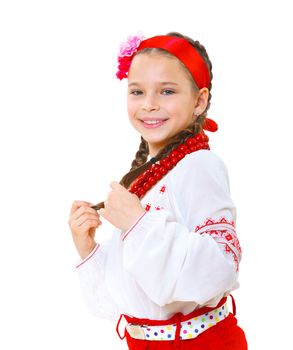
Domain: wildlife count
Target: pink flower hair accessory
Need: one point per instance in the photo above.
(127, 49)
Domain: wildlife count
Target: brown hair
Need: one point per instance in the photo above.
(139, 164)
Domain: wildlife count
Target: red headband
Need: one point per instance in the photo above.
(185, 52)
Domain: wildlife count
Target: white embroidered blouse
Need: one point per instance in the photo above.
(181, 254)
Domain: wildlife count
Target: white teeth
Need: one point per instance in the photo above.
(152, 121)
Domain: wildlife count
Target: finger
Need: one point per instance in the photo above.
(116, 185)
(81, 220)
(83, 210)
(89, 224)
(77, 204)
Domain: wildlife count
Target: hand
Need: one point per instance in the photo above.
(83, 222)
(122, 208)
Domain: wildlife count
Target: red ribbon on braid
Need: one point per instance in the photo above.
(210, 125)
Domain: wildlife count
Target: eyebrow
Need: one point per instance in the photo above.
(160, 83)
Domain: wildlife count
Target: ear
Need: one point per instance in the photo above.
(201, 101)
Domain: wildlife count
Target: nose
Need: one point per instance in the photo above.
(150, 103)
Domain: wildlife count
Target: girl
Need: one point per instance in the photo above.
(173, 258)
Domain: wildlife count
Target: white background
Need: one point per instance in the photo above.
(65, 135)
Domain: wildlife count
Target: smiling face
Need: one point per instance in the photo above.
(160, 91)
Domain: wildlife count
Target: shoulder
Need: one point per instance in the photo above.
(200, 161)
(202, 168)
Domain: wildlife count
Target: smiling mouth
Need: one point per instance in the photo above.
(153, 124)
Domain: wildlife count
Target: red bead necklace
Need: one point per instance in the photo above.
(155, 172)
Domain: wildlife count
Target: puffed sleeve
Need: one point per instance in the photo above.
(93, 288)
(194, 254)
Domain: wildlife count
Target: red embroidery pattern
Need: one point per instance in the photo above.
(226, 236)
(210, 222)
(148, 207)
(158, 208)
(228, 239)
(161, 191)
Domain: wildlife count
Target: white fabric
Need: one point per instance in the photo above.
(180, 255)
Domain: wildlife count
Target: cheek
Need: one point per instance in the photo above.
(131, 107)
(172, 106)
(130, 111)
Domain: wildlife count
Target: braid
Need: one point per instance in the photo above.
(140, 163)
(141, 155)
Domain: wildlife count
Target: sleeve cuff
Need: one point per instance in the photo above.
(126, 233)
(92, 253)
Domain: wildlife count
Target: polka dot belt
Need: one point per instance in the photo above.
(190, 328)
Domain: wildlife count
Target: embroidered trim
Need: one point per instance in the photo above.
(210, 222)
(89, 256)
(224, 233)
(228, 239)
(163, 189)
(228, 250)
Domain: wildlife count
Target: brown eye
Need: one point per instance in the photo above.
(135, 92)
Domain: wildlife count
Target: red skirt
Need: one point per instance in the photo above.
(225, 335)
